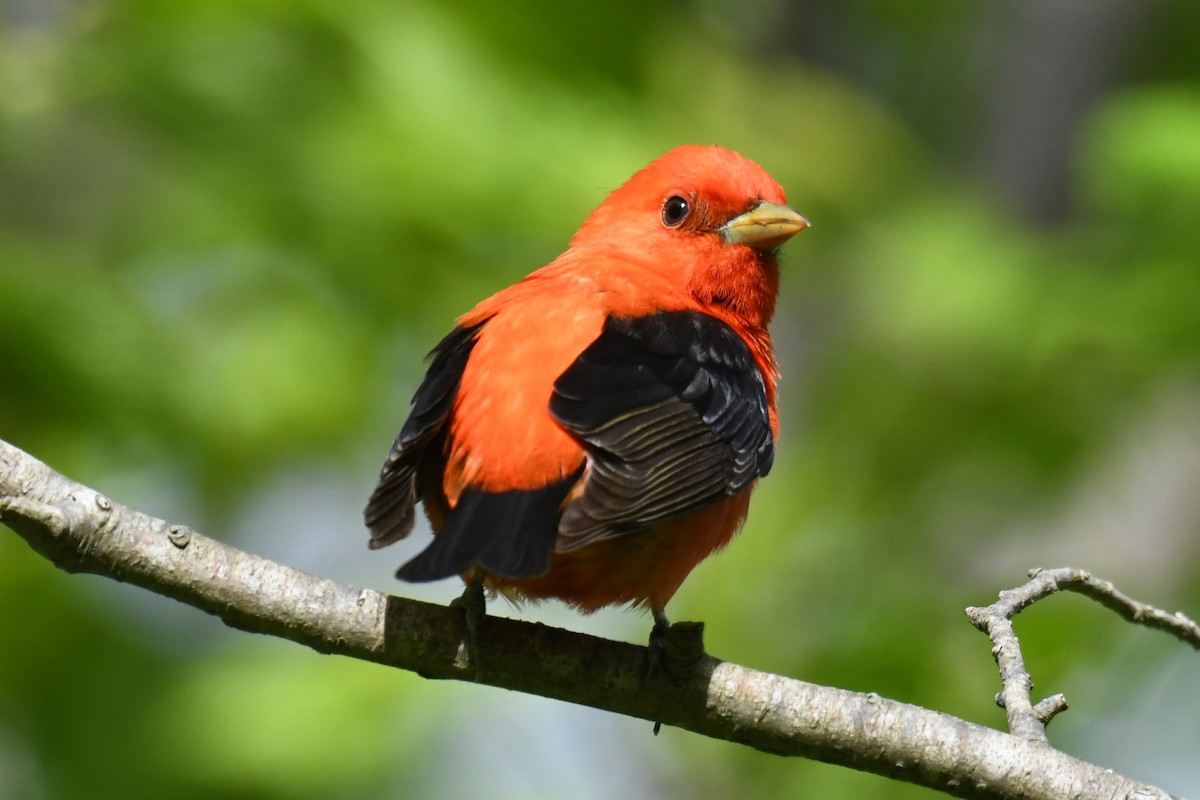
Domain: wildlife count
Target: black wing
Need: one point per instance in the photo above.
(672, 410)
(389, 512)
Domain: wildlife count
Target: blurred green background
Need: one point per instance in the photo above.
(229, 231)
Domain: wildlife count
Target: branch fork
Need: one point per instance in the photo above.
(1025, 719)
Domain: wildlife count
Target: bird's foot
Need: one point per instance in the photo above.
(473, 605)
(677, 648)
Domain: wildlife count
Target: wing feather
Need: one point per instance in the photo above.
(389, 513)
(672, 411)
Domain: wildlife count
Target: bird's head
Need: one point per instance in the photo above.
(707, 219)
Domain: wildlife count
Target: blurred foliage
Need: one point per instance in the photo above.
(229, 232)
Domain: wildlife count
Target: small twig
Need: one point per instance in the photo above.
(1050, 707)
(1024, 718)
(1103, 592)
(1016, 696)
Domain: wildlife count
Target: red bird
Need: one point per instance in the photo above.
(593, 432)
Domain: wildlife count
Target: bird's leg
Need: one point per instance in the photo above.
(473, 604)
(678, 648)
(658, 637)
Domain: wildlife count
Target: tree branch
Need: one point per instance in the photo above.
(1016, 698)
(81, 530)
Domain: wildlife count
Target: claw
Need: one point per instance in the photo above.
(473, 605)
(677, 648)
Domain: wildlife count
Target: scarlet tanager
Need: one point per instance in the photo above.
(593, 432)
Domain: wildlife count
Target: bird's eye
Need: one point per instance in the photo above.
(675, 211)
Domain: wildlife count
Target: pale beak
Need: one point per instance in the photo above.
(766, 226)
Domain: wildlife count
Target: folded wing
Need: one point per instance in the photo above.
(672, 410)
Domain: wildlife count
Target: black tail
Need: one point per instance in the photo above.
(507, 533)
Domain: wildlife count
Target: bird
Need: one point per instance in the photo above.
(594, 431)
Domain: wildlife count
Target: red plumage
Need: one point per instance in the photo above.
(594, 431)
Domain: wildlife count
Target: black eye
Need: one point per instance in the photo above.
(675, 210)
